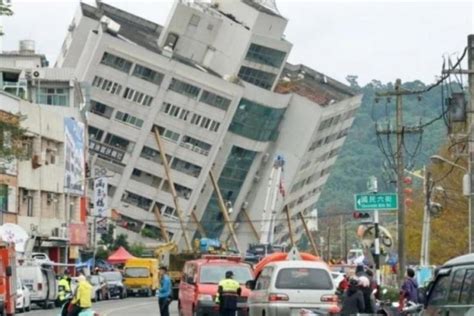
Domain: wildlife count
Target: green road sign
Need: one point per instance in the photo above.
(377, 201)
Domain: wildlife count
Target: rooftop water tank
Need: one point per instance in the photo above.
(27, 47)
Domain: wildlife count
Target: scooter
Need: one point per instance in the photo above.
(85, 312)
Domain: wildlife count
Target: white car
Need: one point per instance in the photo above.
(337, 277)
(23, 299)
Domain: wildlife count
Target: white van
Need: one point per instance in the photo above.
(41, 281)
(293, 288)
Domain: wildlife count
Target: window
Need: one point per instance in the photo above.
(467, 293)
(173, 136)
(256, 121)
(95, 133)
(116, 62)
(215, 100)
(137, 97)
(303, 279)
(264, 279)
(4, 198)
(54, 96)
(175, 111)
(107, 85)
(196, 145)
(184, 88)
(456, 285)
(101, 109)
(212, 274)
(195, 19)
(265, 55)
(116, 141)
(439, 293)
(259, 78)
(129, 119)
(186, 167)
(147, 74)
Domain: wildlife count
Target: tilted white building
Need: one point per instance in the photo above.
(216, 84)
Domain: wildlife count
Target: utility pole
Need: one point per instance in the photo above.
(425, 239)
(329, 245)
(470, 45)
(400, 131)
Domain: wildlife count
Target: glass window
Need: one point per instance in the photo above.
(116, 62)
(256, 121)
(116, 141)
(230, 182)
(3, 198)
(54, 96)
(95, 133)
(184, 88)
(467, 293)
(456, 285)
(213, 274)
(259, 78)
(264, 279)
(265, 55)
(195, 19)
(439, 293)
(147, 74)
(101, 109)
(215, 100)
(304, 279)
(129, 119)
(137, 273)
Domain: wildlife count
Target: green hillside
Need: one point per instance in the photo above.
(361, 156)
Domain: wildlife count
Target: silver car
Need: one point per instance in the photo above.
(293, 288)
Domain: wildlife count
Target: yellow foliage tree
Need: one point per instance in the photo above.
(449, 229)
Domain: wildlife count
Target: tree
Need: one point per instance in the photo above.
(121, 241)
(137, 249)
(449, 230)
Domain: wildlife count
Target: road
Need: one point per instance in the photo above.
(127, 307)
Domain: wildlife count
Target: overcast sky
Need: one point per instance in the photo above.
(373, 39)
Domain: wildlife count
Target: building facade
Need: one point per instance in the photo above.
(47, 100)
(215, 83)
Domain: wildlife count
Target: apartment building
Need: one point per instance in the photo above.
(49, 101)
(214, 82)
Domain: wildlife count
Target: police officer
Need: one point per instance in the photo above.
(63, 289)
(228, 292)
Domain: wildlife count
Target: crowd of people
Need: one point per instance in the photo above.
(359, 292)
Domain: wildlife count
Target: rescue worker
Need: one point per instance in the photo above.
(227, 295)
(82, 298)
(63, 289)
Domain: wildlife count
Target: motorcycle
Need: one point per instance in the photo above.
(64, 308)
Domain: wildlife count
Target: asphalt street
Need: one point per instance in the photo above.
(130, 306)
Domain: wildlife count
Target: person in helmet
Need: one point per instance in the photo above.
(64, 288)
(227, 295)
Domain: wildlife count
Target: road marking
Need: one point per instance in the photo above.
(126, 307)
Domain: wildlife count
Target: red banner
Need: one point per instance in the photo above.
(78, 234)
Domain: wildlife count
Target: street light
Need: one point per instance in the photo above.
(436, 159)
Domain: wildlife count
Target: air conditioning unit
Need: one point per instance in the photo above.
(37, 74)
(188, 146)
(110, 25)
(49, 198)
(63, 232)
(55, 232)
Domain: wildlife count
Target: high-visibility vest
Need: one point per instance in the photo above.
(64, 288)
(229, 288)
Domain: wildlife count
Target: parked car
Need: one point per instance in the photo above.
(23, 297)
(99, 284)
(41, 257)
(114, 280)
(337, 277)
(290, 287)
(452, 291)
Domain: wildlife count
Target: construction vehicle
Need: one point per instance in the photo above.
(7, 279)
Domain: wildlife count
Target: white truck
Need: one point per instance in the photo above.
(40, 279)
